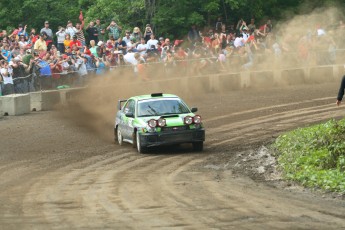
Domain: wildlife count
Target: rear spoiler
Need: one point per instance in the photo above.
(119, 103)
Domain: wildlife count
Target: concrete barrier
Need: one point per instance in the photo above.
(44, 100)
(263, 79)
(229, 82)
(292, 77)
(321, 74)
(200, 83)
(15, 104)
(69, 94)
(18, 104)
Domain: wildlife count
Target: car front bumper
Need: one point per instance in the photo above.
(173, 137)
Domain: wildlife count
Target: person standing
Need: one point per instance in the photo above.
(193, 35)
(80, 27)
(61, 35)
(100, 31)
(114, 30)
(6, 73)
(45, 72)
(341, 91)
(92, 32)
(41, 45)
(147, 33)
(70, 29)
(49, 33)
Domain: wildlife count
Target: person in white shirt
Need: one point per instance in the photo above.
(70, 29)
(132, 45)
(6, 74)
(81, 68)
(127, 38)
(239, 41)
(142, 47)
(245, 34)
(152, 41)
(61, 34)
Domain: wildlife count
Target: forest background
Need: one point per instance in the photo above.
(171, 18)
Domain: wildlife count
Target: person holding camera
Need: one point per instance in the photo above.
(80, 66)
(45, 71)
(102, 65)
(114, 30)
(70, 29)
(148, 32)
(61, 35)
(18, 74)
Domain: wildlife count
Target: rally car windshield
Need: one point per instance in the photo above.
(160, 107)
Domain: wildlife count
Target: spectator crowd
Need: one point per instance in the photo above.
(32, 60)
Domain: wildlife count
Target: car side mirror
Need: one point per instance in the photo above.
(194, 110)
(129, 114)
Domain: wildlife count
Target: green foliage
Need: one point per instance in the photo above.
(168, 17)
(315, 156)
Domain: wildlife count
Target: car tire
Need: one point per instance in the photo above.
(115, 136)
(134, 139)
(198, 146)
(119, 136)
(140, 148)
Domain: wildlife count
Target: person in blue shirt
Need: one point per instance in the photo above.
(22, 31)
(45, 72)
(6, 53)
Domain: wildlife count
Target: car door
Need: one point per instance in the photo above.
(127, 122)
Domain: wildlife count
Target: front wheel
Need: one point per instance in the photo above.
(198, 146)
(140, 148)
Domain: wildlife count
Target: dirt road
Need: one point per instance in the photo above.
(56, 173)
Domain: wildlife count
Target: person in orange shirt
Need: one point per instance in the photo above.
(67, 41)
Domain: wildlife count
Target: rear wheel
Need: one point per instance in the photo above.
(140, 148)
(119, 136)
(198, 146)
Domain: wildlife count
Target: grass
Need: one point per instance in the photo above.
(314, 156)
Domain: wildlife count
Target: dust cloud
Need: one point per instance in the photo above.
(292, 43)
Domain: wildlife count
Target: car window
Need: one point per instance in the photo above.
(161, 107)
(129, 107)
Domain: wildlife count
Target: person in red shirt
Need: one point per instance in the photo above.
(76, 42)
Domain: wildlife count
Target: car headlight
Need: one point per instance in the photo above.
(197, 119)
(161, 122)
(188, 120)
(152, 123)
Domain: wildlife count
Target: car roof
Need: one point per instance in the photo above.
(150, 96)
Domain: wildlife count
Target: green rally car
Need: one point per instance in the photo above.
(157, 119)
